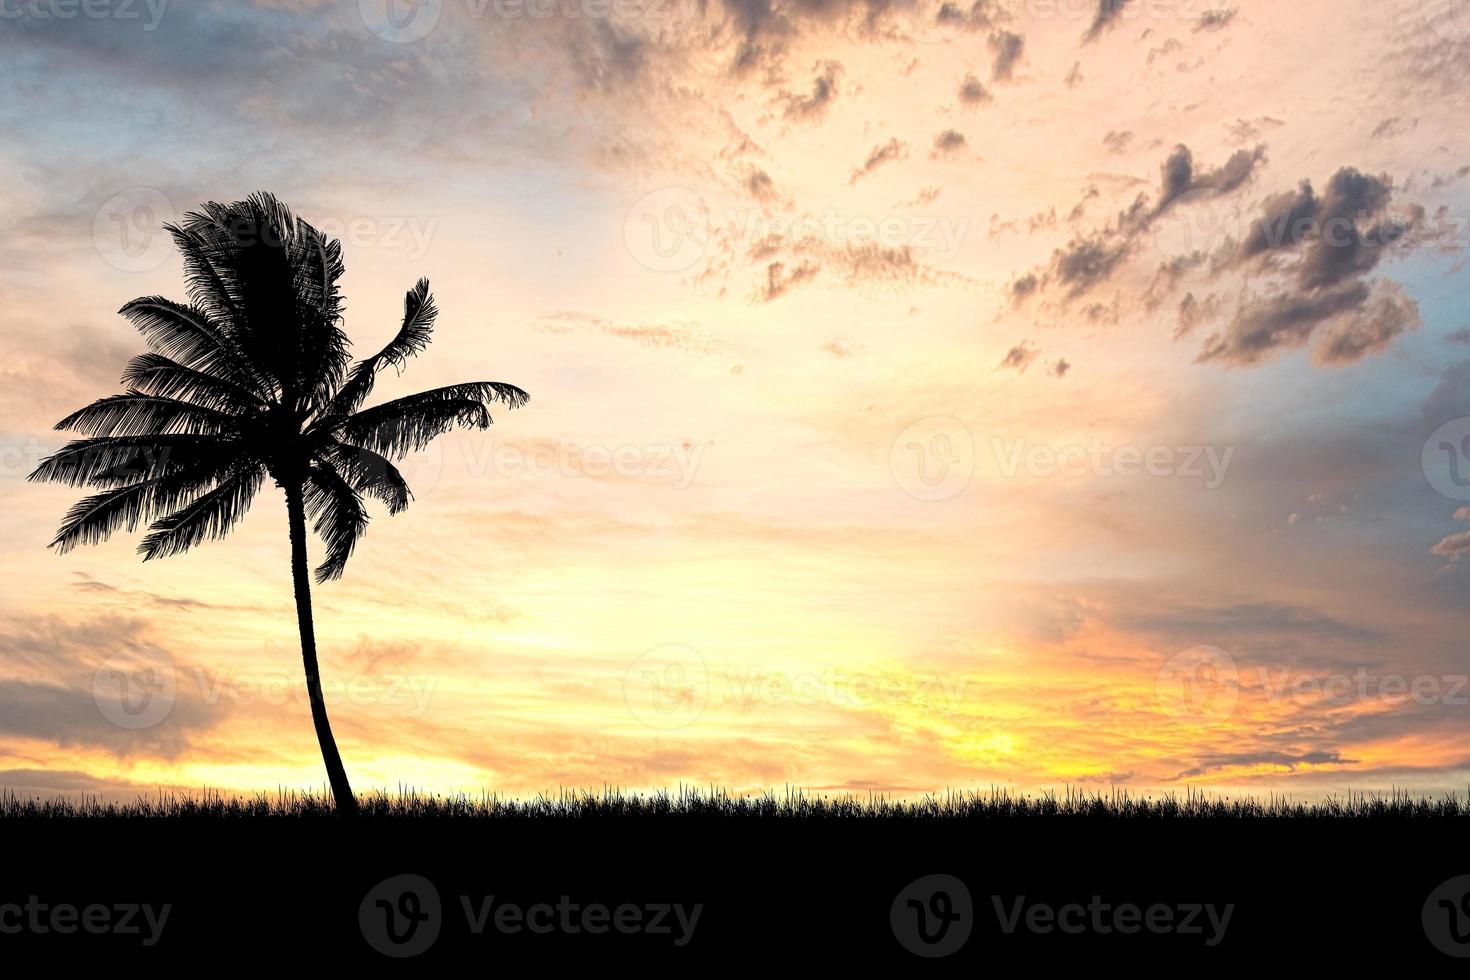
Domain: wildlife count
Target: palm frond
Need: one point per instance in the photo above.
(92, 519)
(208, 517)
(205, 249)
(316, 261)
(186, 334)
(419, 313)
(369, 473)
(118, 460)
(155, 374)
(340, 518)
(134, 413)
(410, 423)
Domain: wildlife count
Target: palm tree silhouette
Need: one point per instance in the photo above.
(249, 380)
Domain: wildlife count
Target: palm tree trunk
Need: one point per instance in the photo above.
(300, 574)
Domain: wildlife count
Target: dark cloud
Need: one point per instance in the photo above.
(1023, 287)
(760, 185)
(925, 197)
(1091, 259)
(1087, 262)
(1250, 130)
(1193, 311)
(874, 263)
(948, 144)
(1325, 247)
(1444, 180)
(1179, 176)
(1118, 142)
(1262, 327)
(1215, 20)
(1103, 314)
(1041, 221)
(973, 92)
(1394, 126)
(1390, 313)
(1359, 320)
(779, 280)
(781, 261)
(981, 15)
(763, 30)
(1107, 15)
(1310, 256)
(1234, 173)
(1285, 218)
(1169, 47)
(58, 693)
(1019, 357)
(800, 262)
(70, 716)
(894, 150)
(1345, 238)
(1060, 368)
(1007, 48)
(812, 107)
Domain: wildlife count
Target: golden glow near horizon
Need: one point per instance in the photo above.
(897, 424)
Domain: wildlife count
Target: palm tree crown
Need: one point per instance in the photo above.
(251, 379)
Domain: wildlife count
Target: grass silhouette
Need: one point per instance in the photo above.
(686, 804)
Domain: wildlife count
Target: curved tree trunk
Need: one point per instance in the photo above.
(301, 576)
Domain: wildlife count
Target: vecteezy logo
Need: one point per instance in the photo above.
(1198, 684)
(128, 229)
(1446, 459)
(933, 459)
(667, 687)
(1200, 232)
(400, 21)
(135, 688)
(401, 916)
(933, 916)
(668, 230)
(1446, 917)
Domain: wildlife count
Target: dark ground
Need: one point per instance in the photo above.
(775, 889)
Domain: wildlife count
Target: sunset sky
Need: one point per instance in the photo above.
(919, 399)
